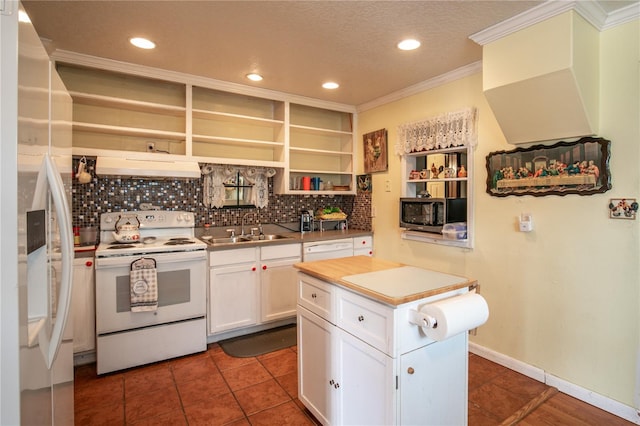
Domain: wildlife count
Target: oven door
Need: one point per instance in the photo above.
(182, 291)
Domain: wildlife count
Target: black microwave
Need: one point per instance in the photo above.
(431, 214)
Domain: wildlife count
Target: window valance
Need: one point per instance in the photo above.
(216, 175)
(445, 130)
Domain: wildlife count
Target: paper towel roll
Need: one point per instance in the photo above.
(455, 315)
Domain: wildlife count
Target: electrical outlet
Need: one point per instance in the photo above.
(387, 185)
(151, 146)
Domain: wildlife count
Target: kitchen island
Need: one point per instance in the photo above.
(361, 359)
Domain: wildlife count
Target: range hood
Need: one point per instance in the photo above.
(542, 81)
(124, 167)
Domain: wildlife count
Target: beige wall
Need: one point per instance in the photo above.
(564, 298)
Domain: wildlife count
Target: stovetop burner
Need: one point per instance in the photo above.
(178, 242)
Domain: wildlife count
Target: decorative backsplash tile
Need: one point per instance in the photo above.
(103, 195)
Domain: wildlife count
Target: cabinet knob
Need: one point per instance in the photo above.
(337, 385)
(364, 242)
(331, 382)
(253, 269)
(410, 370)
(360, 318)
(264, 267)
(88, 263)
(370, 252)
(313, 295)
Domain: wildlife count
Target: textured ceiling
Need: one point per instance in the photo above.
(295, 45)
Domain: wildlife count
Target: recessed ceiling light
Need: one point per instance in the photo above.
(408, 44)
(330, 85)
(142, 43)
(23, 17)
(254, 77)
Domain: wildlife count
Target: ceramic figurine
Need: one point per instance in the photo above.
(462, 172)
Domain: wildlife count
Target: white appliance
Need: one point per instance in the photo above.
(37, 240)
(328, 249)
(177, 325)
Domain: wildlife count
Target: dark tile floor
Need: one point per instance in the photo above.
(213, 388)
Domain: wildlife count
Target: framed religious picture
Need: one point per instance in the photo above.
(375, 151)
(580, 167)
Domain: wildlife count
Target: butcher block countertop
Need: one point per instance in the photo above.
(386, 281)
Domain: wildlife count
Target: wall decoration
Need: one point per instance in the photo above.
(375, 151)
(364, 183)
(580, 167)
(623, 208)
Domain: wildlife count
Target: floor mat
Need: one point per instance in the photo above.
(260, 343)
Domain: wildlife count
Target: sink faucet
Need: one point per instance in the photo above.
(243, 221)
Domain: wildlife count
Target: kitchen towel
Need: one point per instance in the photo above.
(144, 289)
(448, 317)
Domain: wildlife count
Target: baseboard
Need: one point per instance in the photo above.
(607, 404)
(82, 358)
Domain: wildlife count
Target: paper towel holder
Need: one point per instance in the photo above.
(422, 320)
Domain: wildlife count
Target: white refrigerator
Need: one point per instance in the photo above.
(36, 239)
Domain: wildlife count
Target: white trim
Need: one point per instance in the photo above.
(604, 403)
(622, 16)
(591, 11)
(194, 80)
(533, 16)
(458, 73)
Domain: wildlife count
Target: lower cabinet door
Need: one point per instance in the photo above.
(433, 386)
(233, 297)
(278, 287)
(365, 392)
(83, 307)
(315, 384)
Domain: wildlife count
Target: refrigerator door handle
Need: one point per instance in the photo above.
(66, 245)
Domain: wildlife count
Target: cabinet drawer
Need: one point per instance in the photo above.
(317, 296)
(281, 251)
(231, 257)
(362, 242)
(367, 320)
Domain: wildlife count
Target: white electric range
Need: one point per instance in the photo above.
(175, 325)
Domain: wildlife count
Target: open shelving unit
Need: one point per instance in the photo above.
(440, 187)
(120, 109)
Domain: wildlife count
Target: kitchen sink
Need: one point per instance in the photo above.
(265, 237)
(244, 239)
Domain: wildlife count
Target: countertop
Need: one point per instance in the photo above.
(389, 282)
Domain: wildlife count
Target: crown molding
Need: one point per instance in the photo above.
(440, 80)
(590, 10)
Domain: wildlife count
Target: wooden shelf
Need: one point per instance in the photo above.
(126, 104)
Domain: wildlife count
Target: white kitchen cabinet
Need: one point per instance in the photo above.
(278, 281)
(83, 308)
(251, 286)
(363, 246)
(233, 289)
(360, 361)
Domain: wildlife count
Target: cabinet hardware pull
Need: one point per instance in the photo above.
(410, 370)
(337, 385)
(331, 382)
(264, 267)
(313, 295)
(360, 318)
(88, 263)
(253, 269)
